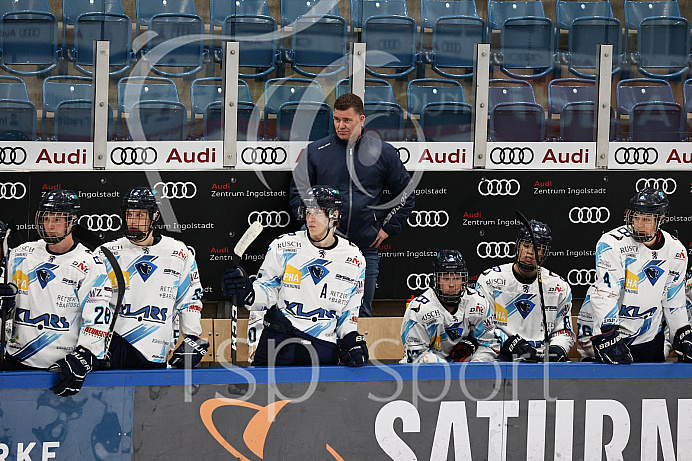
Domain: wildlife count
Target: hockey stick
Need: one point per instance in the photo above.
(248, 237)
(5, 260)
(525, 222)
(92, 242)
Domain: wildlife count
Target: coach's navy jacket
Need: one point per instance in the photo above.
(360, 175)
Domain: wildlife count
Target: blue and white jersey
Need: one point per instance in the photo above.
(318, 289)
(516, 306)
(429, 326)
(161, 283)
(636, 288)
(62, 302)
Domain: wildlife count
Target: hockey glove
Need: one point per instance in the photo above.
(193, 346)
(236, 282)
(73, 369)
(464, 349)
(682, 343)
(609, 347)
(7, 293)
(557, 354)
(352, 350)
(517, 348)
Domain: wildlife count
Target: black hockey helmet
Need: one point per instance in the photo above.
(60, 202)
(648, 202)
(326, 198)
(140, 198)
(544, 240)
(3, 230)
(450, 263)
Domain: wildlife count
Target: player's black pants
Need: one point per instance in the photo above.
(296, 352)
(11, 364)
(123, 355)
(652, 351)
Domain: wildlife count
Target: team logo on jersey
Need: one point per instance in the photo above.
(145, 269)
(653, 272)
(454, 331)
(292, 276)
(44, 274)
(317, 272)
(524, 305)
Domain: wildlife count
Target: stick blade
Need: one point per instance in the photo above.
(248, 237)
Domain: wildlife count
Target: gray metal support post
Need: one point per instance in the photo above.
(357, 69)
(99, 109)
(230, 104)
(481, 77)
(602, 105)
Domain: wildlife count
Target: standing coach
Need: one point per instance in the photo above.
(361, 167)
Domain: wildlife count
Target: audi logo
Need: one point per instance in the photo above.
(263, 155)
(589, 215)
(418, 281)
(581, 276)
(404, 154)
(511, 155)
(178, 189)
(133, 156)
(101, 222)
(12, 155)
(270, 218)
(12, 190)
(498, 187)
(496, 249)
(636, 155)
(428, 219)
(667, 185)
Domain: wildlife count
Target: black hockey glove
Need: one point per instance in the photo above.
(7, 293)
(464, 349)
(517, 348)
(609, 347)
(193, 346)
(557, 354)
(73, 369)
(237, 282)
(682, 343)
(352, 350)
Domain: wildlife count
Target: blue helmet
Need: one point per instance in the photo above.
(449, 262)
(544, 240)
(61, 202)
(139, 198)
(647, 202)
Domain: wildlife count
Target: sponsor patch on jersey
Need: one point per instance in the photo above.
(631, 281)
(21, 280)
(180, 254)
(344, 278)
(477, 309)
(629, 249)
(430, 316)
(498, 282)
(557, 289)
(69, 282)
(81, 266)
(172, 272)
(94, 332)
(680, 256)
(500, 314)
(353, 261)
(292, 276)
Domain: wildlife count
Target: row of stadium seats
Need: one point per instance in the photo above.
(295, 109)
(319, 36)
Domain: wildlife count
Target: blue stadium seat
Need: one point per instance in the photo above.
(386, 119)
(17, 120)
(257, 37)
(114, 27)
(585, 34)
(318, 43)
(447, 122)
(572, 100)
(135, 90)
(219, 10)
(663, 47)
(687, 99)
(391, 44)
(376, 90)
(364, 9)
(13, 88)
(71, 9)
(293, 9)
(654, 101)
(508, 90)
(278, 91)
(158, 121)
(8, 6)
(517, 122)
(303, 121)
(73, 121)
(57, 89)
(452, 53)
(177, 50)
(248, 121)
(420, 92)
(567, 11)
(147, 9)
(207, 91)
(38, 50)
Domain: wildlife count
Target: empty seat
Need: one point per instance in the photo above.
(585, 34)
(303, 121)
(17, 120)
(376, 90)
(278, 91)
(420, 92)
(447, 122)
(291, 10)
(386, 119)
(206, 92)
(364, 9)
(73, 121)
(391, 44)
(257, 37)
(57, 89)
(13, 88)
(114, 27)
(154, 109)
(72, 9)
(35, 53)
(572, 100)
(655, 106)
(248, 121)
(514, 114)
(318, 45)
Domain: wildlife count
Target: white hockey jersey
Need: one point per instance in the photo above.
(161, 282)
(62, 302)
(635, 288)
(319, 290)
(516, 306)
(428, 326)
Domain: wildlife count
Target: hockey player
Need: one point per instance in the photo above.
(162, 282)
(512, 291)
(62, 302)
(311, 282)
(449, 321)
(640, 276)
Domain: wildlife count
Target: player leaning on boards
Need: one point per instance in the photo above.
(512, 291)
(162, 282)
(311, 282)
(63, 296)
(449, 321)
(640, 276)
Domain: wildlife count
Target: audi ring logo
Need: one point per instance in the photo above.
(636, 155)
(270, 218)
(496, 187)
(178, 189)
(511, 156)
(12, 155)
(404, 154)
(581, 277)
(133, 156)
(589, 215)
(101, 222)
(428, 218)
(12, 190)
(418, 281)
(263, 155)
(667, 185)
(495, 249)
